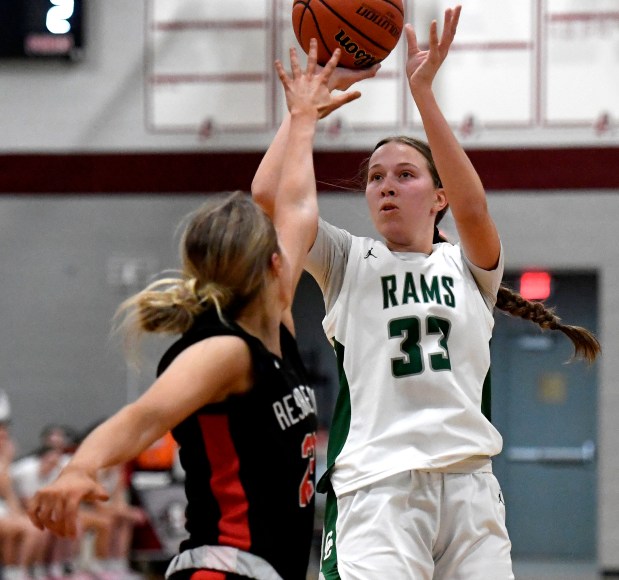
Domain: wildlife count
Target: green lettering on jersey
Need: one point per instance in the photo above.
(389, 288)
(409, 329)
(430, 293)
(448, 284)
(409, 289)
(439, 361)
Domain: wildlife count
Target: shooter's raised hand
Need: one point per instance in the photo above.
(422, 65)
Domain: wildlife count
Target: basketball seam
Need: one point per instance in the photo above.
(394, 6)
(313, 16)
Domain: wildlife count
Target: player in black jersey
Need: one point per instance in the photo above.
(232, 388)
(249, 480)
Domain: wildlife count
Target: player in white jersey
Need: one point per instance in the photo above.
(410, 447)
(428, 358)
(410, 487)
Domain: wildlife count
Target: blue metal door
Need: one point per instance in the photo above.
(546, 411)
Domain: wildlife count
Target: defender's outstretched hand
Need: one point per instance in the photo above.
(422, 65)
(308, 91)
(55, 506)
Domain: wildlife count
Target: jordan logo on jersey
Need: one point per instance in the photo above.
(369, 254)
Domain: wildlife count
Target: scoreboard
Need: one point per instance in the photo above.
(41, 28)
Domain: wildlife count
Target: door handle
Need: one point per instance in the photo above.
(554, 455)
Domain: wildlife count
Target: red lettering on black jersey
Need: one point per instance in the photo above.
(308, 450)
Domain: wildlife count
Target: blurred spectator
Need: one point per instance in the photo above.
(112, 523)
(22, 544)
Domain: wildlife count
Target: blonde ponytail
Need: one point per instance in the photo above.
(226, 252)
(217, 295)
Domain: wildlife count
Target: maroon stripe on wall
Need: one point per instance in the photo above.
(81, 173)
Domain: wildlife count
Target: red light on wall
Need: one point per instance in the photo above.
(535, 285)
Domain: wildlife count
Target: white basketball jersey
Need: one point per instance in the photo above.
(412, 337)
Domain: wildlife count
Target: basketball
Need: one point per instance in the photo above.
(366, 30)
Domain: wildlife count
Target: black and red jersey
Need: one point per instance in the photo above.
(250, 460)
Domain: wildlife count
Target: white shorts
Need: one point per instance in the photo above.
(422, 525)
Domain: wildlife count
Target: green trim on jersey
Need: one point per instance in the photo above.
(340, 423)
(486, 397)
(328, 551)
